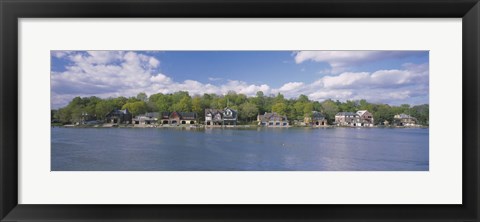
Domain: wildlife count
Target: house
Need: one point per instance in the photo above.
(117, 116)
(347, 119)
(404, 120)
(178, 118)
(146, 119)
(366, 118)
(316, 119)
(360, 118)
(226, 116)
(86, 118)
(272, 120)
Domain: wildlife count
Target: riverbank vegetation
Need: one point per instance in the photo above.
(248, 107)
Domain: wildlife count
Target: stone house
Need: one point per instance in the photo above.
(117, 116)
(317, 119)
(178, 118)
(347, 119)
(272, 120)
(358, 119)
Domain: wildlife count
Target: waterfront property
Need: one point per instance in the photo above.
(146, 119)
(272, 120)
(226, 116)
(346, 119)
(178, 118)
(404, 120)
(86, 118)
(360, 118)
(118, 116)
(366, 118)
(316, 119)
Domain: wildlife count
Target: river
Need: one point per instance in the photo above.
(256, 149)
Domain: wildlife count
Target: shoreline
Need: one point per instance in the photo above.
(223, 127)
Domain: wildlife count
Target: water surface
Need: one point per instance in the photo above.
(262, 149)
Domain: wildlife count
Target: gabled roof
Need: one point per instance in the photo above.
(188, 115)
(212, 111)
(165, 115)
(181, 115)
(149, 115)
(317, 115)
(268, 116)
(118, 112)
(361, 112)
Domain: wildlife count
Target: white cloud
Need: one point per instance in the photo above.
(291, 86)
(341, 61)
(113, 73)
(345, 80)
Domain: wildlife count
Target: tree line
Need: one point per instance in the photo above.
(248, 107)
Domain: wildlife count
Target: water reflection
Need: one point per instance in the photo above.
(257, 149)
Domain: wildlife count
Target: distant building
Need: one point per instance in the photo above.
(272, 120)
(360, 118)
(366, 118)
(146, 119)
(404, 120)
(117, 116)
(178, 118)
(347, 119)
(86, 118)
(316, 119)
(226, 116)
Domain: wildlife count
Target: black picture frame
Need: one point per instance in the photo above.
(12, 10)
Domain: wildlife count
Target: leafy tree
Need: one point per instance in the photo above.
(279, 108)
(184, 105)
(303, 98)
(308, 109)
(142, 97)
(136, 108)
(248, 111)
(248, 107)
(330, 108)
(198, 107)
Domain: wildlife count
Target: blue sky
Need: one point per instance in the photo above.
(392, 77)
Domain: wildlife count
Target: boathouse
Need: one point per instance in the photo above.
(226, 116)
(146, 119)
(272, 120)
(178, 118)
(118, 116)
(347, 119)
(316, 119)
(404, 120)
(366, 118)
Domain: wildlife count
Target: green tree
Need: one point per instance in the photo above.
(184, 105)
(198, 107)
(299, 107)
(279, 108)
(142, 97)
(303, 98)
(330, 108)
(308, 109)
(136, 108)
(248, 111)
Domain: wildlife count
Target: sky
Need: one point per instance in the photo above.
(389, 77)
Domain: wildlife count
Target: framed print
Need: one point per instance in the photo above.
(226, 110)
